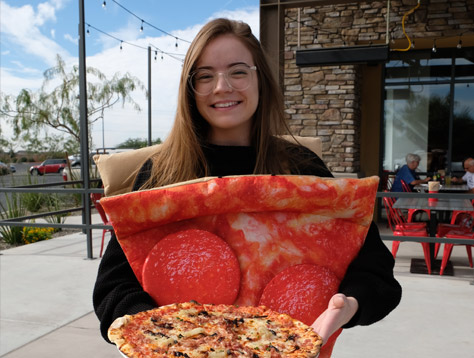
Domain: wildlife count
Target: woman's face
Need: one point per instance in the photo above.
(228, 111)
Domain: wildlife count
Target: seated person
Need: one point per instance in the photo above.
(468, 178)
(408, 175)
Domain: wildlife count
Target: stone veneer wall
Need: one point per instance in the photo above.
(324, 101)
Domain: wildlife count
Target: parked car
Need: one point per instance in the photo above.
(4, 169)
(12, 168)
(49, 166)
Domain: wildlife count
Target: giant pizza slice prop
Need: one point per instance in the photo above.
(280, 241)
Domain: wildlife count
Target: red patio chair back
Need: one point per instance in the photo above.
(400, 228)
(95, 198)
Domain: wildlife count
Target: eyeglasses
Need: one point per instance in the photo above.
(238, 77)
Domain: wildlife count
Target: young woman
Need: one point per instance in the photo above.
(229, 119)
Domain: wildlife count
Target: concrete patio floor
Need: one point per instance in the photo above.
(46, 307)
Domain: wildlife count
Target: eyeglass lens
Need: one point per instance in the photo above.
(238, 77)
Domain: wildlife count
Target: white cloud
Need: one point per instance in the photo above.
(45, 13)
(21, 25)
(53, 33)
(74, 40)
(24, 70)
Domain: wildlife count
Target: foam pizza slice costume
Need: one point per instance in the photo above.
(281, 241)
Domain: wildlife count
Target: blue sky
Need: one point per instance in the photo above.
(33, 32)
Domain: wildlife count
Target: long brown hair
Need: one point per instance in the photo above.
(180, 157)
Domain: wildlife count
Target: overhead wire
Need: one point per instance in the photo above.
(169, 54)
(149, 24)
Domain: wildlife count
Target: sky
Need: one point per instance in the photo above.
(33, 33)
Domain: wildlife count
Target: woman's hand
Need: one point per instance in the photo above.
(340, 311)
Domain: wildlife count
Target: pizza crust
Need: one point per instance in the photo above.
(114, 333)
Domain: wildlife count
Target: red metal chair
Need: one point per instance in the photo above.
(400, 228)
(466, 215)
(412, 212)
(460, 225)
(95, 198)
(448, 248)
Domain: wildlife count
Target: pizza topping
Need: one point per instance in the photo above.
(192, 264)
(293, 290)
(223, 331)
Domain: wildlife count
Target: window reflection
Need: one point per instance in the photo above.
(418, 95)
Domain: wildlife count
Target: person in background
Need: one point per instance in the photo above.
(408, 174)
(229, 121)
(467, 178)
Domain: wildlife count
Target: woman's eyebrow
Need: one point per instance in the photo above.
(228, 66)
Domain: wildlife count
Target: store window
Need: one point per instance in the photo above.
(429, 109)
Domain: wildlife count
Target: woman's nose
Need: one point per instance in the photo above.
(221, 83)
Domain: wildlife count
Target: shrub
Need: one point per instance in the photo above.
(35, 234)
(14, 208)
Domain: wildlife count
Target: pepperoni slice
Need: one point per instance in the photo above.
(302, 291)
(192, 265)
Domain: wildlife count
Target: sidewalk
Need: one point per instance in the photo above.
(46, 307)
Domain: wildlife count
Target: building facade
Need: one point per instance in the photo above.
(415, 94)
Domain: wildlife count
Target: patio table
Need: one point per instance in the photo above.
(435, 206)
(444, 187)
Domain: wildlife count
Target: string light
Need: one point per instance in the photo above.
(104, 5)
(434, 46)
(413, 44)
(151, 25)
(141, 27)
(459, 45)
(88, 31)
(172, 55)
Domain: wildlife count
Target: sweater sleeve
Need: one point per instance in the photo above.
(370, 280)
(117, 291)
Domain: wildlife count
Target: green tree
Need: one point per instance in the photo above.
(137, 143)
(56, 105)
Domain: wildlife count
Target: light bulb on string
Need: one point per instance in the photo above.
(176, 44)
(141, 27)
(434, 46)
(459, 45)
(413, 44)
(88, 31)
(121, 42)
(104, 4)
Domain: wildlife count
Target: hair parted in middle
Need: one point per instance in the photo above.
(180, 157)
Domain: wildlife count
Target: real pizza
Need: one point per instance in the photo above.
(194, 330)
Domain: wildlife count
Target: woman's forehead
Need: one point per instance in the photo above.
(224, 51)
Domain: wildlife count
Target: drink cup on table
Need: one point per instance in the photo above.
(433, 188)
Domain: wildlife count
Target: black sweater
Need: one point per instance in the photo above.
(369, 277)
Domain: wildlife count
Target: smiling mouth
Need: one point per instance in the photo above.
(225, 105)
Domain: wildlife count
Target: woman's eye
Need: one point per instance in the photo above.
(204, 76)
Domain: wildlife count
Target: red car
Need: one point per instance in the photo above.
(49, 166)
